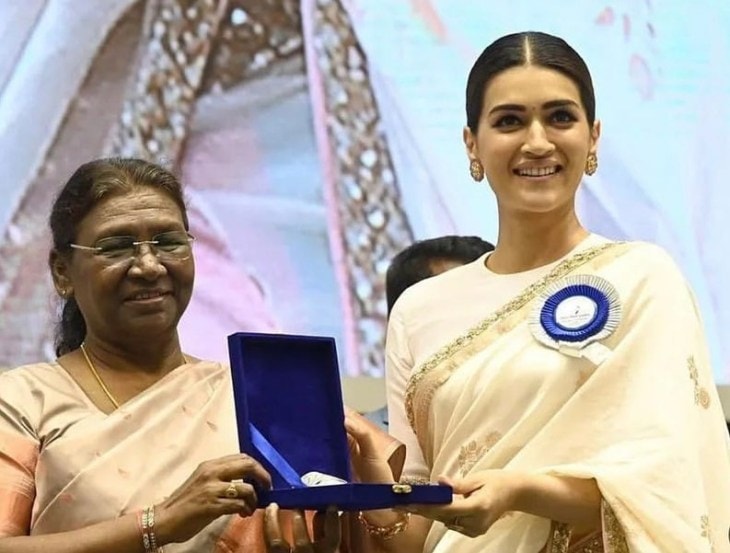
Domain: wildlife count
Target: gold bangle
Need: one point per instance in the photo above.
(385, 532)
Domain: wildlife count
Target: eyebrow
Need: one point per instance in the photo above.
(547, 105)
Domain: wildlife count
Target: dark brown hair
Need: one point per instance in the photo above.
(414, 263)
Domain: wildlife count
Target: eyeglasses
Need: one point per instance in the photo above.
(168, 246)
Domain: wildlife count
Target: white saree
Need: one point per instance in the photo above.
(645, 423)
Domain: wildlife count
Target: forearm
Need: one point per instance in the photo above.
(121, 535)
(575, 501)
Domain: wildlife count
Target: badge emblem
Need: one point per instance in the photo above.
(574, 314)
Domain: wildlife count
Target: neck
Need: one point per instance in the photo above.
(528, 240)
(155, 356)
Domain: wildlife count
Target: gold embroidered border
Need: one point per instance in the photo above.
(610, 539)
(520, 301)
(591, 545)
(559, 542)
(614, 538)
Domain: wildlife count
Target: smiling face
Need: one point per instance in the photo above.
(140, 299)
(533, 139)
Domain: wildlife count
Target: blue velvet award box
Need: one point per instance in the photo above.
(290, 418)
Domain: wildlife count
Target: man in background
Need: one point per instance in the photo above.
(421, 260)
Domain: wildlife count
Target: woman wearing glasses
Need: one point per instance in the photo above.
(124, 443)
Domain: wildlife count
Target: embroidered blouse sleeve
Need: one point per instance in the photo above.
(19, 447)
(398, 366)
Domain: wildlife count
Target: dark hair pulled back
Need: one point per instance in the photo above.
(527, 48)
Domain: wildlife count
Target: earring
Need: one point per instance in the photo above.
(591, 164)
(476, 170)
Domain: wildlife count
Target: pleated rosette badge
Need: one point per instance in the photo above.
(574, 314)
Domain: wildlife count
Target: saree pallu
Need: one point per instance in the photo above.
(66, 465)
(84, 466)
(645, 422)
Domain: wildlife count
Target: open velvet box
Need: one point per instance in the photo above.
(290, 418)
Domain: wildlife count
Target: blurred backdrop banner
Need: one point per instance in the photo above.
(317, 138)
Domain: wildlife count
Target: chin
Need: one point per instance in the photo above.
(542, 199)
(539, 206)
(148, 327)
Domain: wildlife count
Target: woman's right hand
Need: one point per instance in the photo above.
(368, 460)
(203, 497)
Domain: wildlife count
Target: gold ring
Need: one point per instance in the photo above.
(232, 490)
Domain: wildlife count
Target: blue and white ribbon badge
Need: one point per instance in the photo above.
(574, 314)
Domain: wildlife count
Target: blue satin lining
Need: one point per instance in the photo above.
(270, 453)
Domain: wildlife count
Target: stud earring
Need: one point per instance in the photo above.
(476, 170)
(591, 164)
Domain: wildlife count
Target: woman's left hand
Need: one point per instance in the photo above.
(326, 537)
(485, 497)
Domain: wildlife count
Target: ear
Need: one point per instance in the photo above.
(595, 136)
(470, 142)
(59, 265)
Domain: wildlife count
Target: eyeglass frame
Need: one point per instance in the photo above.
(136, 244)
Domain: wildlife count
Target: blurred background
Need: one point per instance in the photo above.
(317, 138)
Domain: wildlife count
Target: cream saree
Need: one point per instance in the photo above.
(66, 465)
(645, 422)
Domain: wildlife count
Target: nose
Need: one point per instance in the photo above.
(537, 143)
(146, 264)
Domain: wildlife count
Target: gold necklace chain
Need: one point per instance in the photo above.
(98, 378)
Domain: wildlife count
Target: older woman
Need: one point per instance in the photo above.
(562, 383)
(124, 443)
